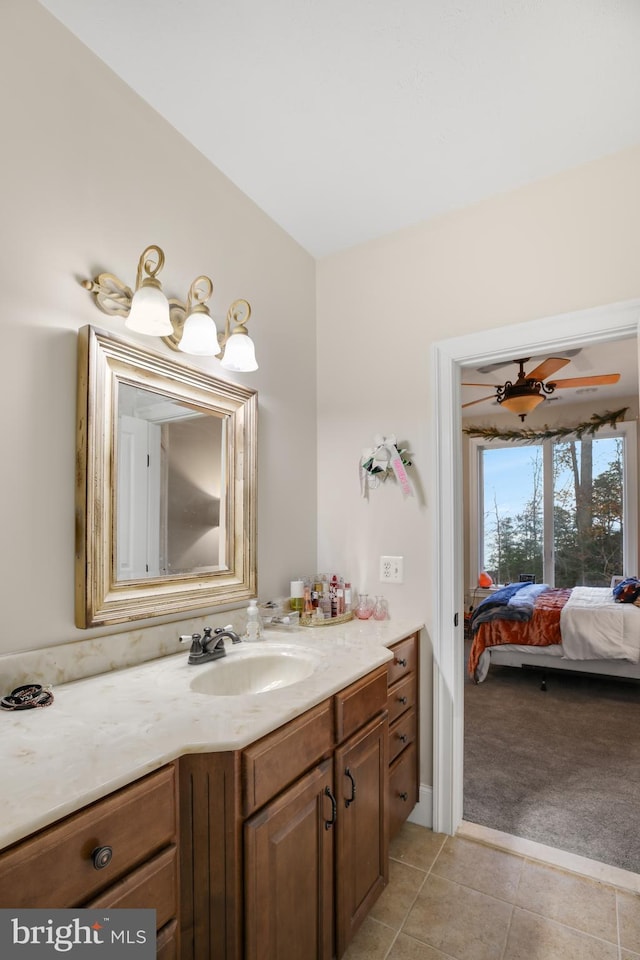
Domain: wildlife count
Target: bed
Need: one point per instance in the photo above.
(584, 629)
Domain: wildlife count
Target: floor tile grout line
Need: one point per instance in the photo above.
(568, 926)
(427, 873)
(524, 860)
(513, 909)
(618, 928)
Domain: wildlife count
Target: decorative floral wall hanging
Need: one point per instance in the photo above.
(383, 460)
(589, 427)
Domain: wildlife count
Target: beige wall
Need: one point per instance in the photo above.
(90, 176)
(565, 243)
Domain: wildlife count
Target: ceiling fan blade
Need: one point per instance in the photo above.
(587, 381)
(481, 400)
(547, 368)
(490, 367)
(465, 384)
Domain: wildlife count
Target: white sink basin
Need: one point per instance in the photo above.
(251, 670)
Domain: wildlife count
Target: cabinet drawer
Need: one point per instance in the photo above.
(152, 886)
(403, 788)
(357, 704)
(401, 734)
(402, 696)
(405, 658)
(274, 762)
(167, 942)
(54, 868)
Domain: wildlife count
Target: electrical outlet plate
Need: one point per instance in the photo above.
(391, 569)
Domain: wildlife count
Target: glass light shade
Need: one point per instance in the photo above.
(239, 354)
(199, 335)
(149, 312)
(522, 404)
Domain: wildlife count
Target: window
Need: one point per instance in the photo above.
(560, 511)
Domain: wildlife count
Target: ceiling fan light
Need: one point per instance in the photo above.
(522, 403)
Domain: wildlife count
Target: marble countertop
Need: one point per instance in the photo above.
(103, 732)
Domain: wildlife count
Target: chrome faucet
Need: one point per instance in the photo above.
(210, 644)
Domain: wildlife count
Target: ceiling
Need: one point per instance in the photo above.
(345, 120)
(620, 356)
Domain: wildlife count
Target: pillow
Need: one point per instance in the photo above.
(628, 591)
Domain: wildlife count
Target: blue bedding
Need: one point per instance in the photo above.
(513, 602)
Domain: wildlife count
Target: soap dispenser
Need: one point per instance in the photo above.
(253, 629)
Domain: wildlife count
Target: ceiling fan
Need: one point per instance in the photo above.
(529, 390)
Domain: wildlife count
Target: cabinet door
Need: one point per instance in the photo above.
(362, 864)
(289, 872)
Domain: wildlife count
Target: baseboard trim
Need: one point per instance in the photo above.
(422, 813)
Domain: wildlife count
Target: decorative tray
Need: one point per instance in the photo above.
(328, 621)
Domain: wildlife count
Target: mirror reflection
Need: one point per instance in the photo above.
(170, 495)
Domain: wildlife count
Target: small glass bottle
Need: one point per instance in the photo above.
(253, 630)
(325, 601)
(333, 594)
(340, 597)
(364, 608)
(347, 597)
(296, 595)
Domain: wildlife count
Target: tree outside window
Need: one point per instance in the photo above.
(582, 513)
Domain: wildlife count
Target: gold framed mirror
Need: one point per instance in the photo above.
(165, 485)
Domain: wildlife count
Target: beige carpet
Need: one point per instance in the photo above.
(561, 767)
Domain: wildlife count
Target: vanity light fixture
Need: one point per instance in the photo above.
(149, 310)
(188, 327)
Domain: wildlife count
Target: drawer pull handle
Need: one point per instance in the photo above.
(101, 857)
(402, 737)
(348, 802)
(334, 809)
(402, 700)
(401, 661)
(404, 795)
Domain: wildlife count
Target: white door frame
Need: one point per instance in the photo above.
(550, 335)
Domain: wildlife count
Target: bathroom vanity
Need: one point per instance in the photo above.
(248, 823)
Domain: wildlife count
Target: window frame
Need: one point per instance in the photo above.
(627, 430)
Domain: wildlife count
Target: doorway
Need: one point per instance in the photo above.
(549, 335)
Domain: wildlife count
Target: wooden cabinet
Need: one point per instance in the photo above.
(275, 761)
(274, 852)
(289, 860)
(118, 852)
(211, 874)
(285, 844)
(362, 839)
(315, 831)
(403, 710)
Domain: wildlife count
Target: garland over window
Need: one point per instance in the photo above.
(528, 435)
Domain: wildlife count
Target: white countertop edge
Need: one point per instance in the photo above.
(102, 733)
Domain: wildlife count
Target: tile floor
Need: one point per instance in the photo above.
(451, 898)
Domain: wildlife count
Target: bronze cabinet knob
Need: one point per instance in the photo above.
(101, 857)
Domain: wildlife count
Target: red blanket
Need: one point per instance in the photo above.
(542, 630)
